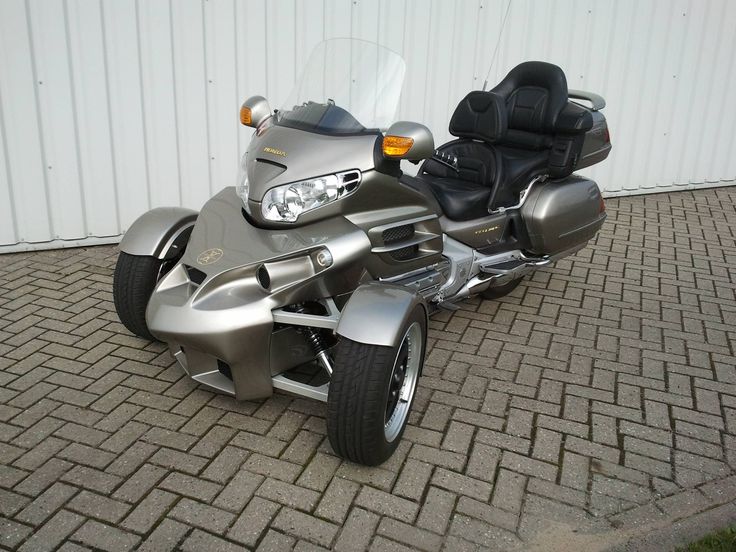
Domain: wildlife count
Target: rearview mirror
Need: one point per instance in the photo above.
(254, 111)
(407, 140)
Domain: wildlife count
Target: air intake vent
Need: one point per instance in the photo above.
(224, 369)
(269, 162)
(350, 180)
(398, 233)
(195, 276)
(405, 253)
(405, 240)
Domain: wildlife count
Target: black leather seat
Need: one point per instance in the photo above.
(505, 138)
(463, 191)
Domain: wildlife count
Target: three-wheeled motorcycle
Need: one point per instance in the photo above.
(325, 254)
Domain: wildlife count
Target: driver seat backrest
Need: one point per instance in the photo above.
(478, 121)
(464, 190)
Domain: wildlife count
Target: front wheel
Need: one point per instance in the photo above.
(133, 282)
(371, 393)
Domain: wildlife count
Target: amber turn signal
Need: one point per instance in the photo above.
(396, 146)
(245, 117)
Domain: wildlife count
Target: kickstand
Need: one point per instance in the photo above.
(446, 305)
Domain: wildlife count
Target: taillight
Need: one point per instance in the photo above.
(602, 205)
(607, 136)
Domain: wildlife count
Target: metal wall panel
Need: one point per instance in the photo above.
(111, 107)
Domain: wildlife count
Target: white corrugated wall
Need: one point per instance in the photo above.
(111, 107)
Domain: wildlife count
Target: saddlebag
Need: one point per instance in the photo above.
(562, 214)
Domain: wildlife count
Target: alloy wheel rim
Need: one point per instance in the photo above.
(403, 381)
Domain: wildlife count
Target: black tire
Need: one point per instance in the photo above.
(500, 291)
(132, 285)
(358, 398)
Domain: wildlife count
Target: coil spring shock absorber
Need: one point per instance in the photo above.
(317, 341)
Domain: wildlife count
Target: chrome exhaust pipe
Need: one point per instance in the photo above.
(474, 286)
(481, 282)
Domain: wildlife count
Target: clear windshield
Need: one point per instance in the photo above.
(348, 86)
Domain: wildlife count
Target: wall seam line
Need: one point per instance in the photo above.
(75, 118)
(113, 158)
(143, 101)
(176, 105)
(39, 126)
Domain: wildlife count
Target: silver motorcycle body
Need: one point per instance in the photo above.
(251, 289)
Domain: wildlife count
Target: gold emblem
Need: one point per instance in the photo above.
(210, 256)
(275, 151)
(486, 230)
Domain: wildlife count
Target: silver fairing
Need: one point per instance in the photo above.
(211, 306)
(305, 155)
(280, 155)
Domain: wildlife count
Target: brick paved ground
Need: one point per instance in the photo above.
(599, 399)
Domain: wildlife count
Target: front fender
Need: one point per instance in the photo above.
(154, 233)
(376, 314)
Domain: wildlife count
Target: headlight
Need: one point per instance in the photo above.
(242, 185)
(285, 203)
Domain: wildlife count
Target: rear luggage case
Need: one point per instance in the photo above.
(597, 141)
(581, 135)
(596, 144)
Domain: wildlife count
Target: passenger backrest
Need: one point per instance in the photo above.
(534, 93)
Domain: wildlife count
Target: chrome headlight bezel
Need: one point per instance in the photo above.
(286, 203)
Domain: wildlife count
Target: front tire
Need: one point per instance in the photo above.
(371, 393)
(133, 282)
